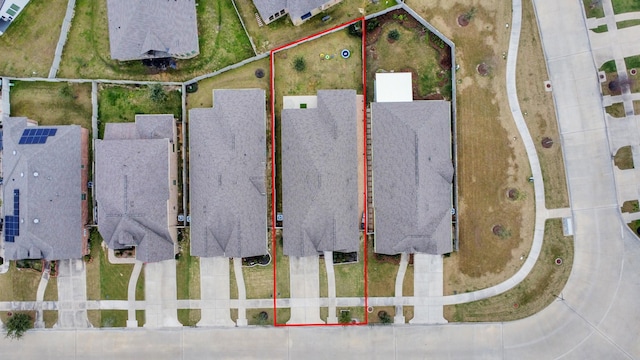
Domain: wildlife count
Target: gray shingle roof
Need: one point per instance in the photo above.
(319, 176)
(134, 187)
(168, 27)
(227, 154)
(412, 176)
(48, 177)
(267, 8)
(297, 8)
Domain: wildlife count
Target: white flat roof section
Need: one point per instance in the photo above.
(393, 87)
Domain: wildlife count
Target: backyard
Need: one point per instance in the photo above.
(87, 55)
(28, 45)
(390, 37)
(121, 103)
(542, 286)
(52, 103)
(282, 31)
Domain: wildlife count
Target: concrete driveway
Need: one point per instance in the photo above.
(305, 290)
(160, 293)
(72, 294)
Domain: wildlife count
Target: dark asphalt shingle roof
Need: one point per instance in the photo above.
(48, 177)
(295, 8)
(133, 186)
(319, 176)
(227, 154)
(165, 26)
(412, 177)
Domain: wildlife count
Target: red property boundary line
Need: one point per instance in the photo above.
(273, 168)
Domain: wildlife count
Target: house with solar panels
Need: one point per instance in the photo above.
(150, 29)
(227, 154)
(136, 187)
(412, 169)
(9, 11)
(44, 210)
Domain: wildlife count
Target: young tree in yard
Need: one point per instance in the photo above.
(393, 35)
(158, 94)
(17, 325)
(299, 64)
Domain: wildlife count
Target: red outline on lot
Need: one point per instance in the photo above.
(273, 168)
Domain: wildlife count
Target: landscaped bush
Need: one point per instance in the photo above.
(17, 325)
(345, 317)
(393, 35)
(299, 64)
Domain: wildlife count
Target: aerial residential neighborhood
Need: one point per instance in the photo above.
(204, 179)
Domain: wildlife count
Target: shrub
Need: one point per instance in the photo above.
(372, 24)
(299, 64)
(355, 30)
(393, 35)
(158, 94)
(345, 317)
(17, 325)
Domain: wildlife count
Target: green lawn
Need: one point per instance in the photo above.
(632, 62)
(615, 110)
(623, 6)
(52, 103)
(29, 44)
(221, 37)
(600, 29)
(282, 31)
(350, 277)
(627, 23)
(542, 286)
(122, 103)
(187, 280)
(282, 269)
(609, 67)
(593, 8)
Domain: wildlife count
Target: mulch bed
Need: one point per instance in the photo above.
(463, 20)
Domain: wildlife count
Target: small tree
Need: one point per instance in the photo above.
(158, 94)
(299, 64)
(470, 14)
(393, 35)
(17, 325)
(384, 317)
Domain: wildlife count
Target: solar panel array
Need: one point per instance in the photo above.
(12, 222)
(36, 136)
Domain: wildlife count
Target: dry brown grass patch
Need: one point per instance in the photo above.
(623, 158)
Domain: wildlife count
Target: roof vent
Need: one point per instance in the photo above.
(21, 174)
(36, 220)
(14, 152)
(35, 173)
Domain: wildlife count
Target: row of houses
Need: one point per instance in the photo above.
(45, 173)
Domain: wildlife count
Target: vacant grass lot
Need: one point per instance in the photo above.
(122, 103)
(385, 56)
(241, 78)
(491, 157)
(187, 280)
(538, 109)
(52, 103)
(29, 44)
(87, 54)
(282, 31)
(542, 286)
